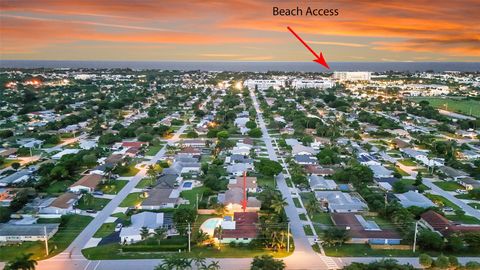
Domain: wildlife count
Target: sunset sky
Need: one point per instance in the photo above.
(223, 30)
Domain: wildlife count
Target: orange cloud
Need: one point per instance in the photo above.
(446, 29)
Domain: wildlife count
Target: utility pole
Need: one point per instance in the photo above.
(197, 202)
(288, 237)
(46, 239)
(415, 236)
(189, 232)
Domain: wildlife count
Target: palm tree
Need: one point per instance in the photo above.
(22, 262)
(176, 263)
(214, 265)
(313, 207)
(201, 237)
(144, 233)
(160, 233)
(199, 262)
(278, 204)
(221, 209)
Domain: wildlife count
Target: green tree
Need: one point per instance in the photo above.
(144, 233)
(335, 236)
(429, 240)
(174, 263)
(278, 204)
(267, 262)
(159, 234)
(15, 165)
(425, 260)
(223, 134)
(251, 124)
(22, 262)
(255, 133)
(313, 207)
(181, 217)
(268, 167)
(442, 262)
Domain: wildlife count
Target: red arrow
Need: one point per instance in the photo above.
(319, 58)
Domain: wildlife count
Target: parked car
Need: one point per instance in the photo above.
(91, 211)
(118, 227)
(461, 191)
(97, 193)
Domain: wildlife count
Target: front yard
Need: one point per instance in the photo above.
(448, 185)
(112, 187)
(88, 202)
(132, 200)
(69, 230)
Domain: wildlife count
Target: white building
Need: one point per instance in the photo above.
(150, 220)
(306, 83)
(264, 84)
(352, 75)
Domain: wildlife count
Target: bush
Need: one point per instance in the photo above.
(154, 248)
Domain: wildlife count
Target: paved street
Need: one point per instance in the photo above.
(304, 257)
(465, 207)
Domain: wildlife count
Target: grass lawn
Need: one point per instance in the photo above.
(401, 172)
(145, 182)
(105, 230)
(408, 162)
(441, 201)
(302, 216)
(296, 201)
(307, 229)
(8, 162)
(475, 205)
(132, 171)
(58, 187)
(265, 181)
(113, 251)
(465, 219)
(114, 187)
(361, 250)
(72, 226)
(132, 200)
(323, 218)
(96, 204)
(448, 185)
(191, 196)
(152, 150)
(453, 104)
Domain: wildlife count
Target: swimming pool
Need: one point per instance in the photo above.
(210, 224)
(187, 184)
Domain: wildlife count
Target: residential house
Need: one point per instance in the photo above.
(412, 198)
(16, 177)
(305, 159)
(367, 160)
(380, 172)
(340, 202)
(241, 229)
(452, 173)
(362, 231)
(149, 220)
(64, 152)
(320, 183)
(62, 205)
(469, 183)
(238, 182)
(239, 168)
(87, 183)
(300, 149)
(195, 143)
(10, 233)
(159, 198)
(439, 224)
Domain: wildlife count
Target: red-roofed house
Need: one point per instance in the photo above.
(243, 228)
(439, 224)
(134, 144)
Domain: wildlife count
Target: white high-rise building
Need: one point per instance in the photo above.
(307, 83)
(352, 75)
(264, 84)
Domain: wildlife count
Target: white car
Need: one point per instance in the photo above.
(118, 227)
